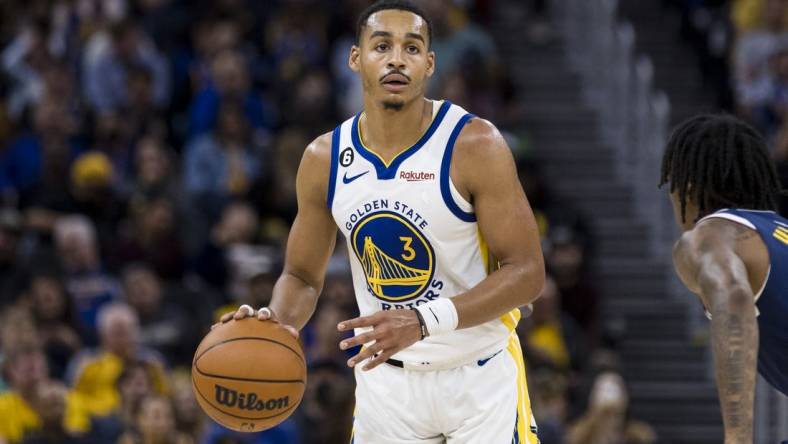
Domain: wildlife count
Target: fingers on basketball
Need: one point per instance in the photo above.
(243, 397)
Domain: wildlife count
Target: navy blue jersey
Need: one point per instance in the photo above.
(772, 302)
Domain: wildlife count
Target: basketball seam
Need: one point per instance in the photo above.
(232, 378)
(300, 359)
(243, 417)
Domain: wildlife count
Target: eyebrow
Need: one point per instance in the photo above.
(411, 35)
(380, 34)
(415, 36)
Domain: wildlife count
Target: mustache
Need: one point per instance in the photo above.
(396, 71)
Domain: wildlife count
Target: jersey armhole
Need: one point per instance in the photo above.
(731, 217)
(451, 197)
(332, 177)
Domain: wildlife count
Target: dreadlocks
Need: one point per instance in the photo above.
(719, 162)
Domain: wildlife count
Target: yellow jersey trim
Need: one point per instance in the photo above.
(393, 159)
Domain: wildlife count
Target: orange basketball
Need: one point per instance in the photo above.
(249, 375)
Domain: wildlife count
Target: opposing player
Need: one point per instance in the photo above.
(426, 195)
(733, 255)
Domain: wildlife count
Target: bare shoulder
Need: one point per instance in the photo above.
(480, 139)
(713, 237)
(314, 171)
(318, 152)
(481, 159)
(711, 234)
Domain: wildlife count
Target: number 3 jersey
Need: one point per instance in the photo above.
(411, 236)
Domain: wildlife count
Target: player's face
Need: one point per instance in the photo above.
(393, 58)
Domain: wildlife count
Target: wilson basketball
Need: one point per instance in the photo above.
(249, 375)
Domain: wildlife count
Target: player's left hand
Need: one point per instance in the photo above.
(392, 331)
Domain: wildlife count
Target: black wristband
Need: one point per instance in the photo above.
(422, 325)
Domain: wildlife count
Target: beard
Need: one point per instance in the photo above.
(393, 105)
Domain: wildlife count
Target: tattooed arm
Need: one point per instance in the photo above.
(707, 262)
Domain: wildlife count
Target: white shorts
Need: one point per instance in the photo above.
(484, 402)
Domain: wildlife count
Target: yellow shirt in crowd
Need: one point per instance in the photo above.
(549, 339)
(19, 418)
(747, 15)
(96, 382)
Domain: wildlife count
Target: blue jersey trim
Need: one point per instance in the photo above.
(445, 173)
(332, 177)
(387, 172)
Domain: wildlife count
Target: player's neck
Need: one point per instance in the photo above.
(387, 132)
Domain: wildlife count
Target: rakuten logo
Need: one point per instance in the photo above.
(416, 176)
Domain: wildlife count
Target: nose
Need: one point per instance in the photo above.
(396, 61)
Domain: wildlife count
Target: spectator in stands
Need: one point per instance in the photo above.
(51, 405)
(106, 63)
(189, 418)
(155, 166)
(781, 159)
(94, 373)
(751, 15)
(606, 420)
(552, 337)
(24, 61)
(288, 149)
(55, 321)
(321, 335)
(142, 114)
(257, 291)
(209, 37)
(222, 164)
(17, 328)
(151, 235)
(112, 137)
(86, 281)
(12, 271)
(238, 226)
(94, 193)
(775, 111)
(327, 408)
(229, 82)
(164, 326)
(550, 403)
(295, 40)
(754, 47)
(37, 162)
(566, 261)
(457, 37)
(25, 371)
(155, 424)
(135, 383)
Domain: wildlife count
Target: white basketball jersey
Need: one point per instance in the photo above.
(411, 235)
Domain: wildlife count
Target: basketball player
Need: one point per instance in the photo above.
(733, 255)
(425, 194)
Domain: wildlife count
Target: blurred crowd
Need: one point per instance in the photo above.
(148, 152)
(742, 47)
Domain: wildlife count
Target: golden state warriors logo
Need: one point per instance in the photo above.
(398, 261)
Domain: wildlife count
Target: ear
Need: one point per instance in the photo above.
(352, 61)
(430, 63)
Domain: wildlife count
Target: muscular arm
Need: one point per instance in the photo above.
(484, 169)
(310, 243)
(706, 260)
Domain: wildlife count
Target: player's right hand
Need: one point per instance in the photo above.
(263, 314)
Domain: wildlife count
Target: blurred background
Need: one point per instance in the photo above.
(148, 151)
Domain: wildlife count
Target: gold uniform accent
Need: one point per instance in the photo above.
(781, 234)
(383, 270)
